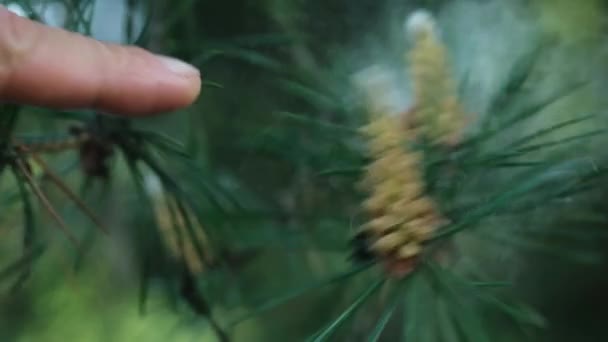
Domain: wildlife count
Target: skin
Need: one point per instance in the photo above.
(49, 67)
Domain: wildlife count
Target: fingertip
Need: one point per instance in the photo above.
(188, 83)
(180, 85)
(172, 95)
(178, 67)
(150, 85)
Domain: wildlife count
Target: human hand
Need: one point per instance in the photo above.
(50, 67)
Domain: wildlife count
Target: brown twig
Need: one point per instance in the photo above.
(45, 201)
(68, 192)
(56, 146)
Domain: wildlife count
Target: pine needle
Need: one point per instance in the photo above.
(282, 299)
(324, 334)
(69, 193)
(386, 316)
(46, 203)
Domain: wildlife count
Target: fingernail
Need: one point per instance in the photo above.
(178, 67)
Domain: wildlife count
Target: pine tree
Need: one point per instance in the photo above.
(452, 191)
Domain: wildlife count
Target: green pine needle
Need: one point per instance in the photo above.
(468, 319)
(22, 264)
(386, 315)
(326, 332)
(282, 299)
